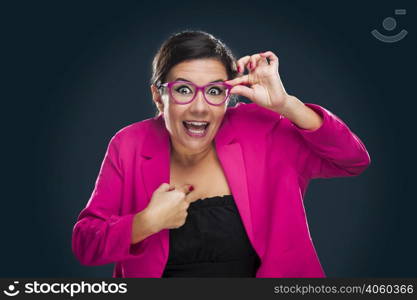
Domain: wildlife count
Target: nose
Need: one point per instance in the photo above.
(199, 103)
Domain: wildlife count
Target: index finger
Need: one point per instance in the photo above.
(186, 188)
(239, 80)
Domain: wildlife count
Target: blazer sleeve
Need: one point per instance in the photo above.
(332, 150)
(100, 235)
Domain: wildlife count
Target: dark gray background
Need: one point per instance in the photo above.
(78, 71)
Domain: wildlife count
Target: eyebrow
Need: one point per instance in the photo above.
(183, 79)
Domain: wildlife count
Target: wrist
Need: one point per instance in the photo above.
(287, 106)
(150, 220)
(143, 226)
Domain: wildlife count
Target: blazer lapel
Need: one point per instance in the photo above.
(156, 167)
(234, 168)
(156, 156)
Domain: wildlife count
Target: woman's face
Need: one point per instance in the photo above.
(200, 72)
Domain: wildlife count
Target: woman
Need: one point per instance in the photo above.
(208, 189)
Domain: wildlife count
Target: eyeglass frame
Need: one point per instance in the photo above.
(197, 89)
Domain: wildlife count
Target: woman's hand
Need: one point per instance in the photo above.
(168, 206)
(263, 84)
(264, 87)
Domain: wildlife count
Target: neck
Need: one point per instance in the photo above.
(187, 159)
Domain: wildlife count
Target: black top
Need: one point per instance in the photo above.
(211, 243)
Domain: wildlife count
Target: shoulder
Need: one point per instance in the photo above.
(132, 135)
(251, 117)
(250, 120)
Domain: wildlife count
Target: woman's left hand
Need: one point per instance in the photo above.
(263, 84)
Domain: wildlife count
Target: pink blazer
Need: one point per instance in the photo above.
(268, 162)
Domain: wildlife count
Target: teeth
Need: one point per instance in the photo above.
(201, 130)
(196, 123)
(196, 131)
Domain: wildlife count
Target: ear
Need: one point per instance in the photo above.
(156, 97)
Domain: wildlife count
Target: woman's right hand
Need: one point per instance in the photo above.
(168, 206)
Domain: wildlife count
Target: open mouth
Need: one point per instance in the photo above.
(196, 128)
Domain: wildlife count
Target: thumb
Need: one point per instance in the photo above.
(165, 187)
(242, 91)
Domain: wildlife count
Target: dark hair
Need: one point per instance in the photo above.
(188, 45)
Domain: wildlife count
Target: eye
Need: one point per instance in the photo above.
(183, 89)
(215, 91)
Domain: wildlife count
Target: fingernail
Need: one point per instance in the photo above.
(250, 65)
(238, 69)
(191, 188)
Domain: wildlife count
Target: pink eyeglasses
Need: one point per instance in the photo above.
(184, 92)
